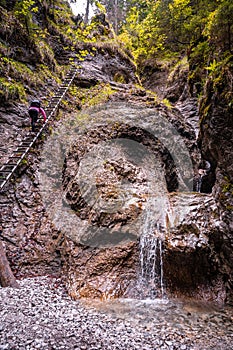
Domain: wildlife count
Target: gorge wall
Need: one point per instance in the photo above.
(195, 228)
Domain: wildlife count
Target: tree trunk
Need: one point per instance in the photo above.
(7, 278)
(87, 12)
(116, 16)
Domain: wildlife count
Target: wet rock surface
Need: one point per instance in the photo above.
(40, 315)
(191, 257)
(98, 272)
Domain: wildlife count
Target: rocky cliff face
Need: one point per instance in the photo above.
(109, 224)
(215, 139)
(78, 207)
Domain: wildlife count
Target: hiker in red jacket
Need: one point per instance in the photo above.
(34, 111)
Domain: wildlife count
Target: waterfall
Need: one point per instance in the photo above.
(151, 281)
(202, 172)
(199, 182)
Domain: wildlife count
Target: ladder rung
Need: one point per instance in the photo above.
(16, 157)
(9, 167)
(30, 138)
(54, 107)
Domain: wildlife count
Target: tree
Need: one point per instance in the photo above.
(7, 278)
(219, 27)
(116, 11)
(86, 17)
(141, 33)
(87, 8)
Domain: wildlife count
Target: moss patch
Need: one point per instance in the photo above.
(11, 90)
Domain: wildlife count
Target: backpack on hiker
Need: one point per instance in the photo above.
(35, 103)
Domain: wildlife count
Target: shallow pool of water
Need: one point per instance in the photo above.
(186, 315)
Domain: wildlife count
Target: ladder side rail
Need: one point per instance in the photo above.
(72, 74)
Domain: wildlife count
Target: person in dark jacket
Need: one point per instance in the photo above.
(34, 111)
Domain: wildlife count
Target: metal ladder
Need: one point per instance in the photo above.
(8, 169)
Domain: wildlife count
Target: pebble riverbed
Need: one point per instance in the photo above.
(40, 315)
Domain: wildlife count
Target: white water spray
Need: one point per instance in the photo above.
(151, 277)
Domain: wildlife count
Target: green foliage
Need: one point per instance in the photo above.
(24, 162)
(149, 29)
(17, 71)
(175, 25)
(220, 73)
(142, 37)
(219, 26)
(11, 90)
(180, 16)
(101, 8)
(92, 96)
(227, 186)
(23, 10)
(119, 78)
(3, 3)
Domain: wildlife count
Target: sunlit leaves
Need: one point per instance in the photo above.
(25, 8)
(142, 37)
(219, 26)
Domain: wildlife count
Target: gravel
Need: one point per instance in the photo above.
(40, 315)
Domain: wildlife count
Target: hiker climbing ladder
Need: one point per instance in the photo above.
(15, 159)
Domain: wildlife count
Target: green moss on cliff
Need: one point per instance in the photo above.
(93, 96)
(38, 43)
(218, 87)
(227, 186)
(11, 90)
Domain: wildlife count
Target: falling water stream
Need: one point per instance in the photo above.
(151, 260)
(188, 323)
(191, 324)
